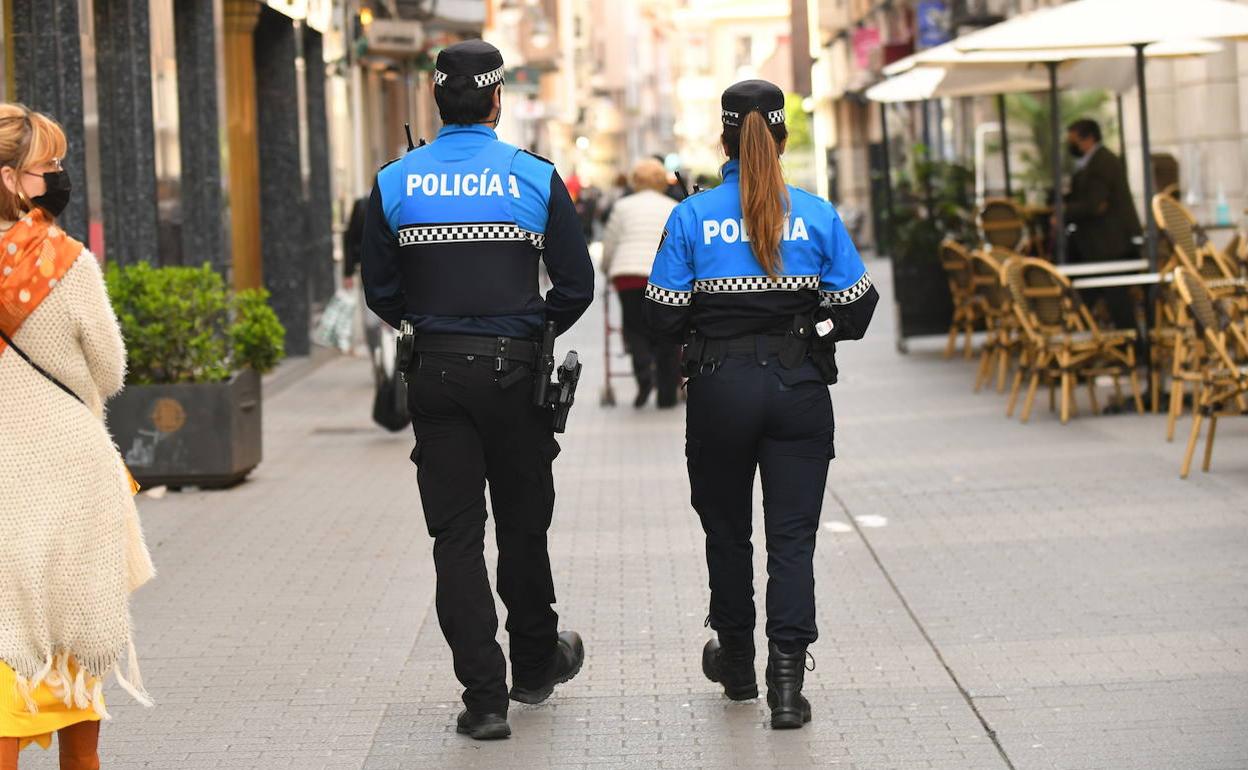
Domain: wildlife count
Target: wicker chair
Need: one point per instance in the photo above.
(1002, 341)
(1190, 249)
(1224, 379)
(967, 307)
(1003, 224)
(1193, 250)
(1062, 341)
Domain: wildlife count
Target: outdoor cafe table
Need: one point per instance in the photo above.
(1103, 268)
(1113, 281)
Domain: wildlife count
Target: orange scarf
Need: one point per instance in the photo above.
(35, 254)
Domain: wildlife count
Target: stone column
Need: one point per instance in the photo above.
(244, 157)
(284, 233)
(123, 45)
(319, 208)
(205, 212)
(47, 70)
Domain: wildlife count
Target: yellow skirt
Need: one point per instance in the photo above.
(16, 721)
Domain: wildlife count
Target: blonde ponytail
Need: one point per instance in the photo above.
(764, 196)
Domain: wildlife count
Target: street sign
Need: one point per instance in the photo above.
(933, 21)
(395, 36)
(866, 41)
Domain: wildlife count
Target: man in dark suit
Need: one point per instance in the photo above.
(1101, 213)
(1099, 204)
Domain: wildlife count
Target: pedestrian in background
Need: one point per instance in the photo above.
(73, 548)
(352, 241)
(459, 263)
(1101, 211)
(628, 244)
(762, 280)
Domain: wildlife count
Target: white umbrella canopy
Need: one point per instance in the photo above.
(932, 82)
(1101, 23)
(951, 54)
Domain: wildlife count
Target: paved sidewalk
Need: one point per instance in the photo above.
(992, 595)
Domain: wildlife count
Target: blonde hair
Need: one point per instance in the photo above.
(27, 139)
(649, 174)
(764, 196)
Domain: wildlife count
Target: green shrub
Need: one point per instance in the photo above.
(181, 324)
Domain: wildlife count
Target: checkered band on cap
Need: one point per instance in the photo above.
(414, 235)
(846, 296)
(489, 78)
(730, 118)
(668, 296)
(753, 283)
(484, 80)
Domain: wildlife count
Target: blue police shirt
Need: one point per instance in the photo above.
(705, 275)
(453, 234)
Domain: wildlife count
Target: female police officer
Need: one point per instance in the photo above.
(760, 279)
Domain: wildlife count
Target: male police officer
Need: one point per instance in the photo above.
(453, 235)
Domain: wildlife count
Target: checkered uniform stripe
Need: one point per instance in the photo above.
(747, 283)
(439, 78)
(668, 296)
(846, 296)
(775, 116)
(486, 231)
(488, 78)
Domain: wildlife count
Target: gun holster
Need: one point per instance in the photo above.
(823, 346)
(405, 349)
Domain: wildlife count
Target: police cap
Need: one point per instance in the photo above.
(748, 96)
(467, 65)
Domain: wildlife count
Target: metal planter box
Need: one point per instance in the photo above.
(201, 434)
(922, 300)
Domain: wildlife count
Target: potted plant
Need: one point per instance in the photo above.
(190, 414)
(922, 216)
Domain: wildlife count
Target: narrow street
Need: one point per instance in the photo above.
(992, 595)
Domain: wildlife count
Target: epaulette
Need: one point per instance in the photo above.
(389, 162)
(539, 157)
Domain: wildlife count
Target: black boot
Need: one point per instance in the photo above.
(482, 727)
(569, 657)
(733, 667)
(643, 393)
(785, 673)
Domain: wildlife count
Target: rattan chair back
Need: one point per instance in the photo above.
(1002, 223)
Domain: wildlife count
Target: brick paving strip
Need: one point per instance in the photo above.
(991, 596)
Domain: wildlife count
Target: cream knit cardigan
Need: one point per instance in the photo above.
(71, 548)
(633, 233)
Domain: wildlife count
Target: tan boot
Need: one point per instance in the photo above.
(8, 753)
(79, 746)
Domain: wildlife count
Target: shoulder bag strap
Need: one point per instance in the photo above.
(9, 341)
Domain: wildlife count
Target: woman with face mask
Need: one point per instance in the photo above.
(72, 546)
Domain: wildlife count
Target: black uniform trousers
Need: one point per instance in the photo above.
(649, 351)
(470, 432)
(752, 414)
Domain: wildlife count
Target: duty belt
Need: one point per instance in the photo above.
(766, 344)
(503, 350)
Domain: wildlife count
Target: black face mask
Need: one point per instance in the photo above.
(56, 198)
(1074, 150)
